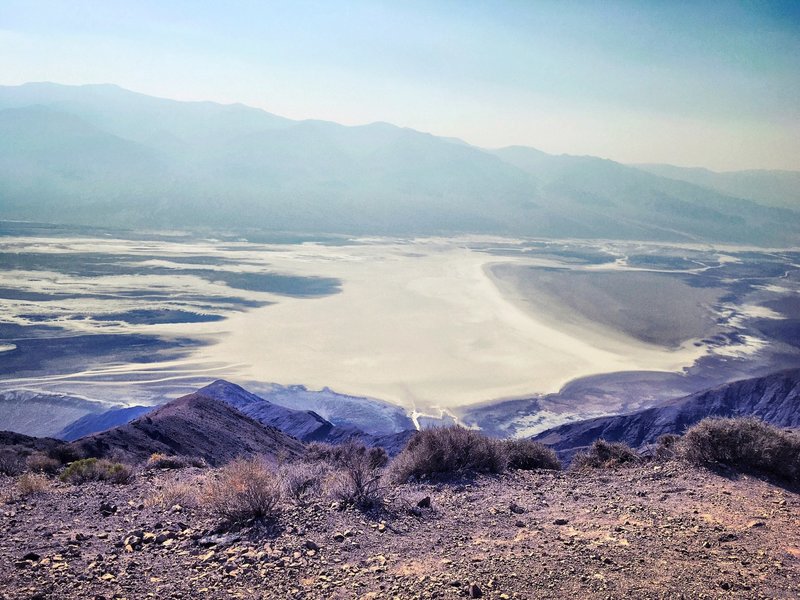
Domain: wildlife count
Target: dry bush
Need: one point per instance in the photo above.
(342, 454)
(158, 460)
(528, 455)
(41, 463)
(93, 469)
(65, 453)
(175, 492)
(666, 447)
(245, 490)
(302, 482)
(31, 484)
(448, 450)
(605, 455)
(747, 444)
(11, 463)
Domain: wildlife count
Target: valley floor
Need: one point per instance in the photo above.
(655, 531)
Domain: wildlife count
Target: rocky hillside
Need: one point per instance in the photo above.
(665, 531)
(194, 426)
(774, 398)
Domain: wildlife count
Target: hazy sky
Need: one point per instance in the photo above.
(714, 84)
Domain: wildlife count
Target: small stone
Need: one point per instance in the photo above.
(425, 502)
(107, 509)
(149, 538)
(516, 508)
(519, 523)
(338, 537)
(475, 591)
(310, 545)
(31, 556)
(560, 521)
(381, 528)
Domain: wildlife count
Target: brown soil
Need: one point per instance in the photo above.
(663, 531)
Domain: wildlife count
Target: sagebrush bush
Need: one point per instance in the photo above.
(448, 450)
(666, 447)
(65, 453)
(528, 455)
(42, 463)
(343, 454)
(93, 469)
(605, 455)
(31, 484)
(746, 444)
(302, 481)
(245, 490)
(158, 460)
(11, 463)
(355, 479)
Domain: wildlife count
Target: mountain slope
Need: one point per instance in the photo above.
(194, 426)
(305, 425)
(774, 398)
(770, 188)
(114, 157)
(43, 414)
(95, 423)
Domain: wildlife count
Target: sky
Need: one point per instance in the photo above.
(709, 84)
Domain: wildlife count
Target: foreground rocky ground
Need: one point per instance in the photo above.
(652, 531)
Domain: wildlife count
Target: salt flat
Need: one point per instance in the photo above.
(421, 324)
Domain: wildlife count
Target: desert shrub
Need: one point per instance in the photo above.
(41, 463)
(172, 492)
(666, 447)
(244, 490)
(605, 455)
(747, 444)
(163, 461)
(93, 469)
(65, 453)
(302, 482)
(528, 455)
(11, 463)
(448, 450)
(343, 454)
(31, 484)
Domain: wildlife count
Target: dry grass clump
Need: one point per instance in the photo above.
(173, 492)
(448, 450)
(158, 460)
(605, 455)
(528, 455)
(93, 469)
(32, 484)
(747, 444)
(42, 463)
(245, 490)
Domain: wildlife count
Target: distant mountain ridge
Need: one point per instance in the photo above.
(101, 155)
(194, 426)
(774, 398)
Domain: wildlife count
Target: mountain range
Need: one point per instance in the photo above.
(223, 420)
(102, 155)
(773, 398)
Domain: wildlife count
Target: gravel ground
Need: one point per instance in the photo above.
(664, 531)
